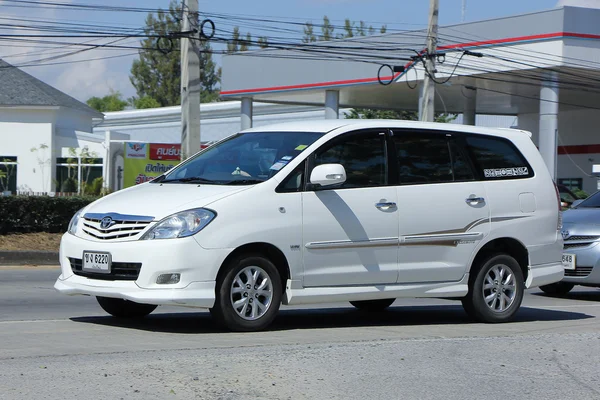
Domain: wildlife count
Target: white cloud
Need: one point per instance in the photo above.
(579, 3)
(92, 78)
(82, 79)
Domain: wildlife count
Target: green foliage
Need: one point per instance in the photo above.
(69, 185)
(158, 75)
(350, 29)
(369, 113)
(238, 44)
(326, 29)
(110, 102)
(143, 102)
(309, 33)
(24, 214)
(96, 188)
(581, 194)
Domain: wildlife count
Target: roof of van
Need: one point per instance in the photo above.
(328, 125)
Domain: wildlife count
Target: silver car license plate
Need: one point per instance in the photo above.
(98, 262)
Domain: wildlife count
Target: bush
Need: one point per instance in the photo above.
(580, 193)
(95, 188)
(69, 186)
(25, 214)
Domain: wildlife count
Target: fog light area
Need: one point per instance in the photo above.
(168, 279)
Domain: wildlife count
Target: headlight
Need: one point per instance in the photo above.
(74, 222)
(182, 224)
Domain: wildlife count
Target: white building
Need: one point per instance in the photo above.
(39, 125)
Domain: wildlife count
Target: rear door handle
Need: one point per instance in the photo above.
(475, 200)
(385, 206)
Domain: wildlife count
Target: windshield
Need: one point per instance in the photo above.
(245, 158)
(591, 202)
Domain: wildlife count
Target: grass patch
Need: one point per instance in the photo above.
(40, 241)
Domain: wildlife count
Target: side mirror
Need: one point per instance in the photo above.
(328, 175)
(576, 203)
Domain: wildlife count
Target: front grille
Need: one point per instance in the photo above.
(576, 245)
(122, 226)
(587, 238)
(580, 272)
(119, 271)
(576, 242)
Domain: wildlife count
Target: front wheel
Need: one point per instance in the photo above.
(373, 305)
(495, 290)
(558, 288)
(124, 308)
(248, 295)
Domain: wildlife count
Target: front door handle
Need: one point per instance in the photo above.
(475, 200)
(385, 206)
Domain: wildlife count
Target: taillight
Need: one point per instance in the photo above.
(559, 222)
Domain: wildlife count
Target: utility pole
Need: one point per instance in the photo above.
(426, 102)
(190, 82)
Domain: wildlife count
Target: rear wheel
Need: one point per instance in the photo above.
(373, 305)
(558, 288)
(495, 289)
(124, 308)
(248, 295)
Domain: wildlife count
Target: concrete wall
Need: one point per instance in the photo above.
(575, 127)
(20, 131)
(57, 129)
(69, 119)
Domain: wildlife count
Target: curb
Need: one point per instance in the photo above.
(29, 257)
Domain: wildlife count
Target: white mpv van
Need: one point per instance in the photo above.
(364, 211)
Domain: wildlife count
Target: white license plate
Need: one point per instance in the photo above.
(568, 261)
(96, 262)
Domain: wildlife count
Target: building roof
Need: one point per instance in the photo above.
(18, 88)
(508, 62)
(328, 125)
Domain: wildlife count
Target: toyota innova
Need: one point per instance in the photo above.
(364, 211)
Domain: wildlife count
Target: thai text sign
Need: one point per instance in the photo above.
(146, 161)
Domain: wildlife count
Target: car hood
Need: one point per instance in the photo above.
(161, 200)
(582, 216)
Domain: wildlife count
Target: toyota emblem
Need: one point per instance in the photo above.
(565, 234)
(106, 222)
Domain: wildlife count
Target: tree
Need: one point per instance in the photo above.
(309, 33)
(158, 75)
(110, 102)
(237, 44)
(263, 42)
(326, 30)
(143, 102)
(369, 113)
(350, 29)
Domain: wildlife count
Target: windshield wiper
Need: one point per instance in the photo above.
(244, 182)
(191, 179)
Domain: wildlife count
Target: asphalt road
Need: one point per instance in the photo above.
(58, 347)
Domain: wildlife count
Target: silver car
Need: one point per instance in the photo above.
(581, 252)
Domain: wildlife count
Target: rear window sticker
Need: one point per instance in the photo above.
(301, 147)
(504, 172)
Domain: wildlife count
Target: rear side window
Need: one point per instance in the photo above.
(426, 158)
(497, 158)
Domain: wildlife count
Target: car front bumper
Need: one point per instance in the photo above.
(197, 266)
(587, 265)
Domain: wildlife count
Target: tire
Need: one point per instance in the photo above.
(237, 286)
(511, 285)
(124, 308)
(558, 288)
(373, 305)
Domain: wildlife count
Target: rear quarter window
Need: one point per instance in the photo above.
(497, 158)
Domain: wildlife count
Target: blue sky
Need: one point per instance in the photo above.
(89, 78)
